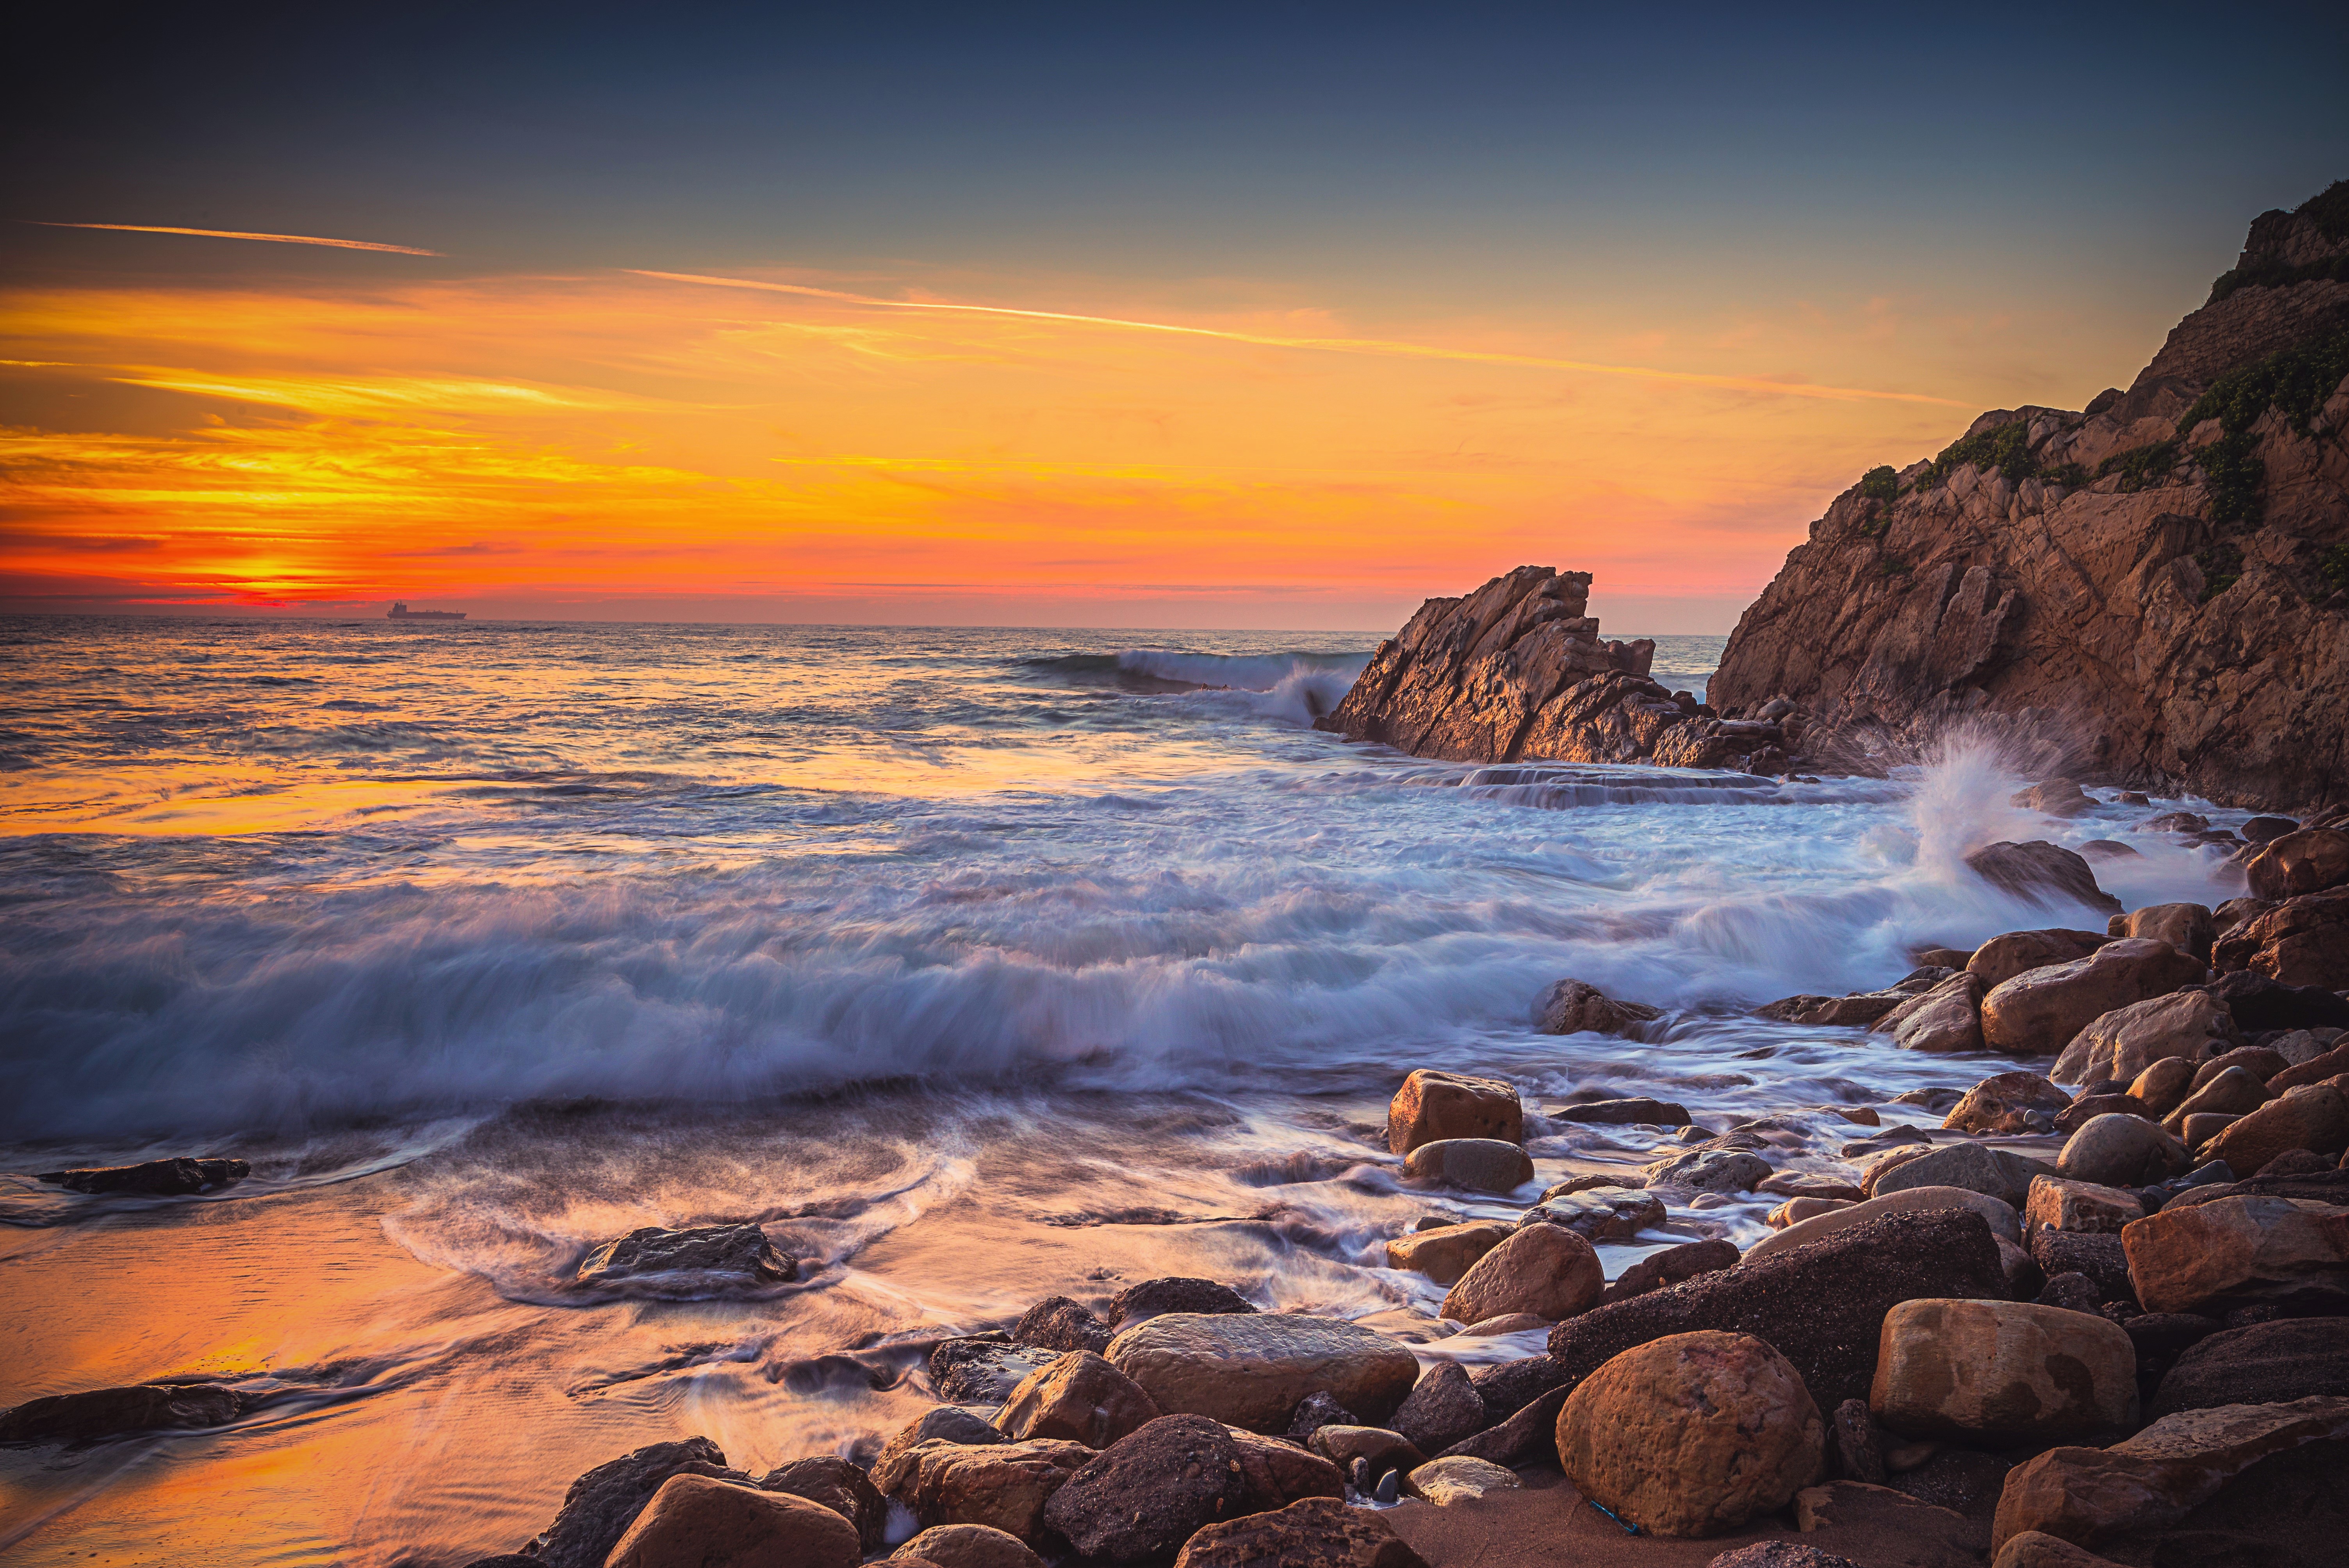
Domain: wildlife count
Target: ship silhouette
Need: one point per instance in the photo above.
(400, 611)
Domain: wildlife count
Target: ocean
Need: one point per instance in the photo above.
(978, 965)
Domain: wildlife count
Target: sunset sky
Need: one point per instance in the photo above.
(1279, 317)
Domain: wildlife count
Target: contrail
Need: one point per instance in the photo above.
(1333, 345)
(240, 234)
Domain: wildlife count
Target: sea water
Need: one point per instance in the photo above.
(978, 965)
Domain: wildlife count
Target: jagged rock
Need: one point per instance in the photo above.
(944, 1423)
(1315, 1411)
(172, 1178)
(1056, 1322)
(2235, 1249)
(696, 1521)
(1004, 1486)
(1599, 1215)
(1251, 1370)
(1944, 1019)
(2264, 1364)
(1709, 1171)
(1080, 1397)
(2042, 872)
(2058, 1204)
(741, 1253)
(1177, 1293)
(2301, 941)
(2041, 1010)
(1442, 1408)
(1623, 1112)
(2016, 578)
(1434, 1105)
(2308, 860)
(105, 1412)
(977, 1370)
(1142, 1497)
(839, 1486)
(1575, 1007)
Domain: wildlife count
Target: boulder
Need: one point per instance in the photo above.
(2040, 1011)
(1820, 1305)
(1251, 1370)
(1140, 1499)
(2055, 1203)
(1458, 1479)
(1692, 1434)
(2234, 1249)
(741, 1253)
(175, 1178)
(2308, 860)
(1672, 1265)
(2042, 873)
(696, 1521)
(1378, 1449)
(2259, 1003)
(1860, 1010)
(2002, 1373)
(983, 1370)
(2200, 1127)
(1796, 1184)
(604, 1501)
(2126, 1042)
(2313, 1117)
(2164, 1085)
(1081, 1399)
(944, 1423)
(2267, 1363)
(1318, 1533)
(1434, 1105)
(1443, 1408)
(2033, 1549)
(1709, 1171)
(1056, 1322)
(1278, 1472)
(2002, 1102)
(1623, 1113)
(2121, 1152)
(1314, 1412)
(2331, 1064)
(2003, 957)
(2302, 942)
(2098, 1255)
(2259, 1061)
(2187, 927)
(966, 1546)
(1004, 1486)
(840, 1486)
(107, 1412)
(1150, 1297)
(1794, 1211)
(2089, 1107)
(1546, 1270)
(2231, 1093)
(1996, 1212)
(1574, 1007)
(1600, 1213)
(2161, 1475)
(1971, 1167)
(1943, 1020)
(1477, 1164)
(1444, 1254)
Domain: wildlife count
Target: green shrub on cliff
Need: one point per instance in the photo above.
(2296, 382)
(2330, 209)
(2141, 466)
(2332, 565)
(1879, 483)
(2006, 447)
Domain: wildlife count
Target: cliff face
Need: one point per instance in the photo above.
(2161, 580)
(1515, 670)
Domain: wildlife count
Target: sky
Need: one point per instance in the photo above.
(1273, 316)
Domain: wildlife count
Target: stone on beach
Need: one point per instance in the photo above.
(1996, 1212)
(2163, 1085)
(1251, 1370)
(107, 1412)
(1972, 1167)
(1670, 1266)
(2042, 872)
(1477, 1164)
(1709, 1171)
(966, 1546)
(1692, 1434)
(1599, 1215)
(2314, 1117)
(179, 1176)
(1317, 1532)
(738, 1252)
(1623, 1112)
(2291, 1358)
(1180, 1292)
(946, 1423)
(2231, 1093)
(838, 1485)
(1280, 1472)
(696, 1521)
(2308, 860)
(1442, 1408)
(1543, 1269)
(1444, 1254)
(1943, 1020)
(983, 1370)
(1379, 1449)
(1080, 1397)
(2004, 1102)
(601, 1502)
(2040, 1011)
(1057, 1323)
(1458, 1479)
(1434, 1105)
(2121, 1152)
(2058, 1204)
(2235, 1250)
(2187, 927)
(1140, 1499)
(1574, 1007)
(1001, 1485)
(2097, 1255)
(2002, 1372)
(2120, 1045)
(2013, 953)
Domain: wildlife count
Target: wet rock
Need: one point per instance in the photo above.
(2163, 1085)
(695, 1521)
(109, 1412)
(1971, 1167)
(1177, 1293)
(1080, 1397)
(1797, 1184)
(966, 1546)
(741, 1253)
(174, 1178)
(1507, 1323)
(983, 1369)
(1995, 1213)
(1858, 1446)
(2121, 1152)
(1944, 1019)
(602, 1503)
(1692, 1434)
(2100, 1256)
(1056, 1322)
(2001, 1103)
(1444, 1254)
(2267, 829)
(2230, 1251)
(1860, 1010)
(1142, 1498)
(1669, 1267)
(2308, 860)
(2313, 1117)
(1543, 1269)
(2059, 1204)
(1317, 1532)
(1599, 1215)
(2003, 957)
(2161, 1475)
(840, 1486)
(2267, 1363)
(2259, 1003)
(1794, 1211)
(1476, 1164)
(1623, 1113)
(2002, 1372)
(1434, 1105)
(1709, 1171)
(1280, 1472)
(1822, 1306)
(943, 1423)
(2124, 1042)
(1377, 1449)
(1574, 1007)
(1004, 1486)
(1443, 1408)
(1252, 1370)
(2042, 872)
(2187, 927)
(2056, 798)
(2042, 1010)
(1458, 1479)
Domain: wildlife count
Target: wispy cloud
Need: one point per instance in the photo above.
(1333, 345)
(240, 234)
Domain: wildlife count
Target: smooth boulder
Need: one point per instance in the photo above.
(1546, 1270)
(696, 1521)
(1317, 1532)
(1252, 1370)
(2013, 953)
(2002, 1373)
(1140, 1499)
(1434, 1105)
(2118, 1046)
(2234, 1249)
(1477, 1164)
(1972, 1167)
(1996, 1212)
(2039, 1012)
(2187, 927)
(1001, 1485)
(1443, 1254)
(2118, 1150)
(966, 1546)
(1081, 1399)
(2004, 1102)
(2314, 1117)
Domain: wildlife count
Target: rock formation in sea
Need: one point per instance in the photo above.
(2161, 580)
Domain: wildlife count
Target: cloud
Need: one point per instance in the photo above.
(1334, 345)
(239, 234)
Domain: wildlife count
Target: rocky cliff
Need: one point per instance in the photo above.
(2158, 584)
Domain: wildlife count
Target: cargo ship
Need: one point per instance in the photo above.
(400, 611)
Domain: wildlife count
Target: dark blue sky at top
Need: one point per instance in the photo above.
(1385, 153)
